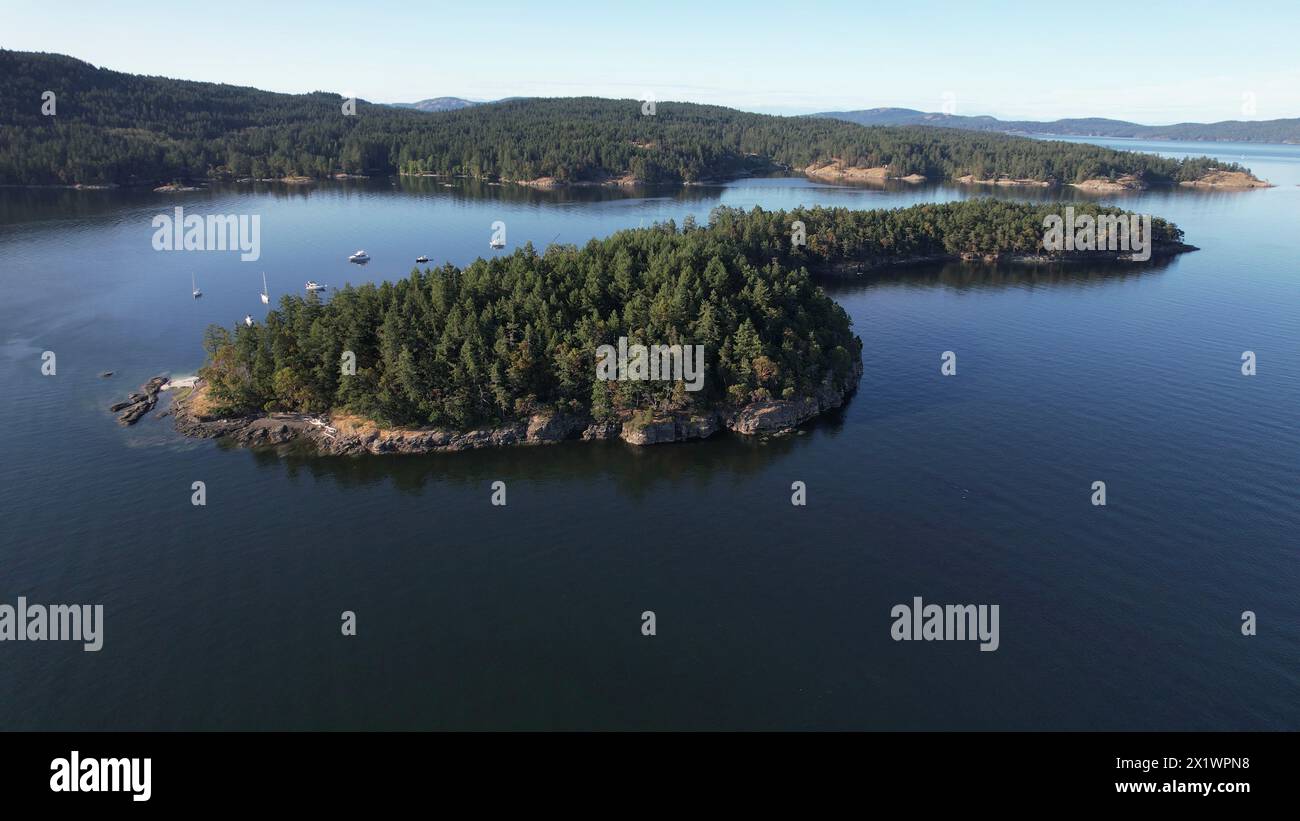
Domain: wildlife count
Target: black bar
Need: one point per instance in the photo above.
(332, 770)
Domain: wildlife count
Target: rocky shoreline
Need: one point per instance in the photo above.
(836, 170)
(833, 170)
(1229, 180)
(139, 403)
(1021, 182)
(1234, 180)
(348, 436)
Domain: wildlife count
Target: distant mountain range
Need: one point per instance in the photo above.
(1257, 131)
(438, 104)
(449, 103)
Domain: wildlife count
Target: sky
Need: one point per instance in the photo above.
(1152, 62)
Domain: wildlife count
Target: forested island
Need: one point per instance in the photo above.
(112, 128)
(503, 351)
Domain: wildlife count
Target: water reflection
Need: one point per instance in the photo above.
(974, 275)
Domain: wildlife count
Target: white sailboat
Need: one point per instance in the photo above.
(266, 296)
(248, 320)
(194, 287)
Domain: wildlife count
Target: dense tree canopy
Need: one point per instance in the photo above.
(978, 226)
(112, 127)
(517, 334)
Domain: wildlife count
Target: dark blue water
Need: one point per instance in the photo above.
(971, 489)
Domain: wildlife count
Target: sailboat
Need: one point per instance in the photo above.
(266, 297)
(248, 320)
(194, 287)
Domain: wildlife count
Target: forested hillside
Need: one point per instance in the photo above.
(120, 128)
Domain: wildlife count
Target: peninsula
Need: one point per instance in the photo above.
(504, 350)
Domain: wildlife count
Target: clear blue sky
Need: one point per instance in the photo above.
(1149, 61)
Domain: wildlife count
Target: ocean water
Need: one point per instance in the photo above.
(969, 489)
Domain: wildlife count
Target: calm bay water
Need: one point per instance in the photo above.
(973, 489)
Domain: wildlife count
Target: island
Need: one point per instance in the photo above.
(504, 351)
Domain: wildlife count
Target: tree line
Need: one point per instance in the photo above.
(112, 127)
